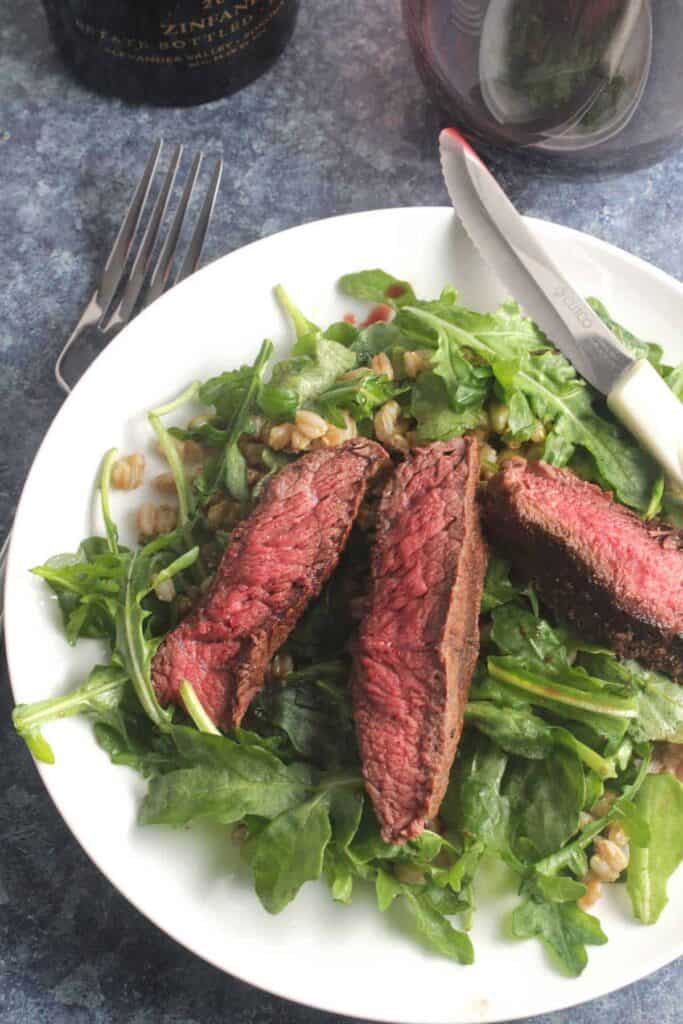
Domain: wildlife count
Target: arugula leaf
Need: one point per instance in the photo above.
(361, 397)
(563, 928)
(230, 469)
(343, 332)
(519, 731)
(498, 587)
(377, 286)
(521, 419)
(227, 781)
(302, 326)
(380, 337)
(674, 379)
(313, 709)
(130, 739)
(347, 803)
(431, 406)
(660, 801)
(474, 805)
(637, 348)
(196, 709)
(87, 585)
(467, 384)
(432, 925)
(672, 507)
(294, 847)
(519, 632)
(226, 393)
(515, 730)
(167, 445)
(623, 808)
(134, 649)
(546, 801)
(655, 506)
(101, 693)
(299, 380)
(387, 888)
(620, 464)
(436, 930)
(339, 874)
(103, 487)
(288, 852)
(556, 396)
(659, 700)
(551, 692)
(553, 888)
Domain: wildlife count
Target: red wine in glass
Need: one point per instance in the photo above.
(582, 85)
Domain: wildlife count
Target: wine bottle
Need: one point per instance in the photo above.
(170, 52)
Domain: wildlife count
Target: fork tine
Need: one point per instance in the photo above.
(143, 257)
(194, 252)
(164, 262)
(116, 261)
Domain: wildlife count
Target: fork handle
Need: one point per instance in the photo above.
(91, 316)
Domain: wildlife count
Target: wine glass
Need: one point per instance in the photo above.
(587, 84)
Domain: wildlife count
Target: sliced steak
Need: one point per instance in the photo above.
(419, 640)
(275, 562)
(618, 579)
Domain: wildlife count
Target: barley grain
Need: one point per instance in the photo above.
(164, 483)
(299, 442)
(128, 472)
(381, 363)
(280, 436)
(616, 856)
(416, 361)
(309, 424)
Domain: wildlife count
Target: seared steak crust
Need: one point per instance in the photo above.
(418, 642)
(618, 579)
(276, 560)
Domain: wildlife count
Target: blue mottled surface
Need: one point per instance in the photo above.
(340, 124)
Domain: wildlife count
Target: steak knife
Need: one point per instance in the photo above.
(635, 392)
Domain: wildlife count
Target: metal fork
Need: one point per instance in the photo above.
(120, 292)
(100, 312)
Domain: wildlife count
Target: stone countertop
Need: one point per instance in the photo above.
(340, 124)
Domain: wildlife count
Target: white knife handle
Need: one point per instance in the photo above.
(648, 407)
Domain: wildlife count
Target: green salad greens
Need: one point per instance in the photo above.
(561, 737)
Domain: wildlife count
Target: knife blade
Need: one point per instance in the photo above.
(509, 247)
(635, 392)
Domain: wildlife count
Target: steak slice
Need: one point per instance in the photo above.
(618, 579)
(419, 640)
(276, 560)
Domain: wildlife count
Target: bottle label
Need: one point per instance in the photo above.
(194, 33)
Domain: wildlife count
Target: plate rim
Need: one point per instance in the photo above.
(550, 229)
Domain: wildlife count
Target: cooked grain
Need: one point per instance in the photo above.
(128, 472)
(280, 436)
(381, 363)
(309, 424)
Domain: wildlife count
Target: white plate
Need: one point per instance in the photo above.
(348, 960)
